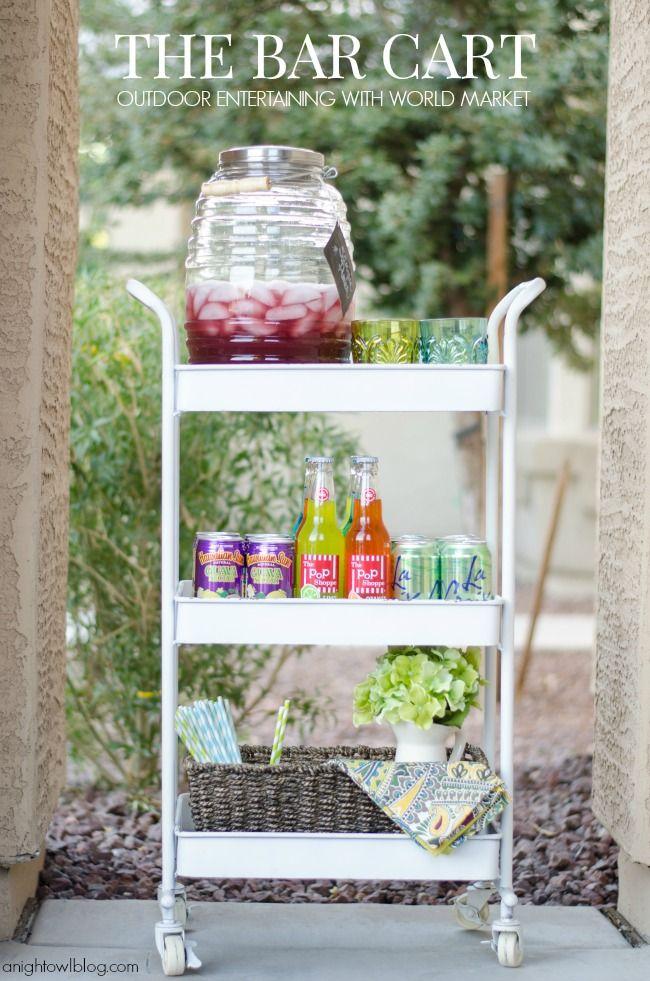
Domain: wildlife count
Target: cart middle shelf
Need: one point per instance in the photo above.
(343, 622)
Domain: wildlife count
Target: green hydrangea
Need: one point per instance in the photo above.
(421, 685)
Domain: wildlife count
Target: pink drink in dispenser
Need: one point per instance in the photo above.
(259, 286)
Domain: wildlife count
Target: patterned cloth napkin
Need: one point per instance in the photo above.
(438, 804)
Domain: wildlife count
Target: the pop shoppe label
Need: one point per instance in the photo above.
(367, 575)
(321, 573)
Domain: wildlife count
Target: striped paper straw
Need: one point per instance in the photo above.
(222, 730)
(211, 737)
(195, 726)
(192, 719)
(222, 711)
(207, 730)
(278, 737)
(189, 735)
(232, 730)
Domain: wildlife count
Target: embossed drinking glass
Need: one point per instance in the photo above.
(454, 340)
(385, 341)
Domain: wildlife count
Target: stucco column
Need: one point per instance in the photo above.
(38, 235)
(622, 738)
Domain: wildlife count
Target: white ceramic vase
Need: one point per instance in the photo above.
(416, 745)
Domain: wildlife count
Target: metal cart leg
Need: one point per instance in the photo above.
(471, 907)
(492, 524)
(170, 930)
(506, 931)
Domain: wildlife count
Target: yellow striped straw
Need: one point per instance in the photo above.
(280, 728)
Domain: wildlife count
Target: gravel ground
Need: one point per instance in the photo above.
(98, 848)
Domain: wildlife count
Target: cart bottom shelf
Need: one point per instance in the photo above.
(265, 855)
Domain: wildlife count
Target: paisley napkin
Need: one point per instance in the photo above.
(438, 804)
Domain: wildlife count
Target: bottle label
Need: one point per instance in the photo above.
(368, 495)
(368, 575)
(321, 571)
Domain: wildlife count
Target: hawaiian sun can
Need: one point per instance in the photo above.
(416, 568)
(218, 565)
(465, 568)
(269, 566)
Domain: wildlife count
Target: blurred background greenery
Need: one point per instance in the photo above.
(417, 185)
(414, 180)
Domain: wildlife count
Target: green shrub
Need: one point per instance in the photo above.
(238, 470)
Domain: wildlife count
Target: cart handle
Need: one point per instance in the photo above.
(533, 288)
(152, 301)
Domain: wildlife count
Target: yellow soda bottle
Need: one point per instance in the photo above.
(320, 546)
(309, 475)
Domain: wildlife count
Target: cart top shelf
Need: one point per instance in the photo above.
(339, 388)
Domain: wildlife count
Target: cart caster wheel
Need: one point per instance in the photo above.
(173, 958)
(470, 917)
(510, 951)
(181, 913)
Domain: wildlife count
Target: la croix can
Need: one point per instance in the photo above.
(269, 566)
(416, 568)
(465, 568)
(219, 564)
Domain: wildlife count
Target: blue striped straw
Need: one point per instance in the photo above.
(220, 735)
(211, 736)
(208, 731)
(223, 707)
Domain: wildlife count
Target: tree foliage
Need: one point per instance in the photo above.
(414, 179)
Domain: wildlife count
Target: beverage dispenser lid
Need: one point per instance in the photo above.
(268, 154)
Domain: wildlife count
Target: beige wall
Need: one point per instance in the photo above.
(38, 233)
(622, 754)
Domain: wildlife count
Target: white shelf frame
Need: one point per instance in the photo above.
(491, 389)
(266, 855)
(347, 623)
(339, 388)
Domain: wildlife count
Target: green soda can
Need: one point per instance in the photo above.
(416, 568)
(465, 568)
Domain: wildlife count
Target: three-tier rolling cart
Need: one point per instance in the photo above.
(484, 861)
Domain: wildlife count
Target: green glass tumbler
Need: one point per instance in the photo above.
(385, 341)
(454, 340)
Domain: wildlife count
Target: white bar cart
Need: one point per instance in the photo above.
(484, 861)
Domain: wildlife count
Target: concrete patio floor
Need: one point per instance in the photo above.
(366, 942)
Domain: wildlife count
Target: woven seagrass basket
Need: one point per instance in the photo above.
(302, 793)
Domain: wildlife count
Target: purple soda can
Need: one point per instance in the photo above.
(269, 566)
(219, 565)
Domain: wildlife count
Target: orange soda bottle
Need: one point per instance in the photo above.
(367, 543)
